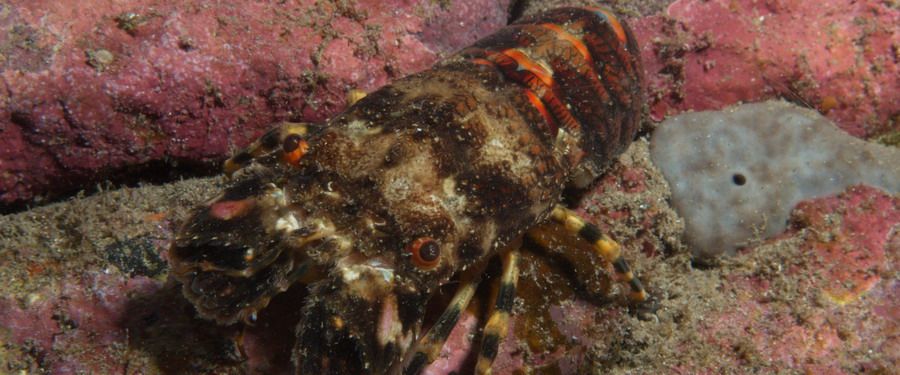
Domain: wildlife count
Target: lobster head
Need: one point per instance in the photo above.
(371, 260)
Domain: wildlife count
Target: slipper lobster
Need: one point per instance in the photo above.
(416, 185)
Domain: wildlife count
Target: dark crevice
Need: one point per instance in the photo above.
(150, 173)
(516, 10)
(705, 264)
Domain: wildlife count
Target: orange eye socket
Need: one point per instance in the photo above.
(425, 252)
(294, 147)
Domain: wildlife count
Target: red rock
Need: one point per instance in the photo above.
(94, 91)
(838, 306)
(90, 90)
(852, 238)
(834, 55)
(75, 329)
(457, 347)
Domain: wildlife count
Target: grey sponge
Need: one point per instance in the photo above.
(736, 174)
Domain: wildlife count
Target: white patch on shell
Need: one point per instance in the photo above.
(453, 201)
(287, 223)
(277, 194)
(497, 152)
(358, 131)
(369, 280)
(397, 189)
(412, 183)
(454, 204)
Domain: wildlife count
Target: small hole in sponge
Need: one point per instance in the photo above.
(739, 179)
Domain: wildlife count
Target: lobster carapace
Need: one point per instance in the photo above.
(419, 183)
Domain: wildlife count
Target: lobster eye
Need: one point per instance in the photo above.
(425, 252)
(291, 142)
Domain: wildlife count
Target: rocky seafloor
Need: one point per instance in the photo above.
(85, 283)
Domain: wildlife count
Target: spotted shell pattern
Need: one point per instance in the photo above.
(467, 155)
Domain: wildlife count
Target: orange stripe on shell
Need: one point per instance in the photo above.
(520, 67)
(539, 105)
(576, 43)
(613, 22)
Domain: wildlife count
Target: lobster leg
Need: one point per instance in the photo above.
(430, 345)
(494, 331)
(552, 240)
(603, 246)
(498, 323)
(288, 138)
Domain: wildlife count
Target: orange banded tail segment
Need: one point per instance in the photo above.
(522, 63)
(581, 85)
(571, 39)
(607, 39)
(616, 64)
(536, 102)
(518, 66)
(538, 80)
(584, 66)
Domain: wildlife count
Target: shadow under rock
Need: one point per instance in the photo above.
(164, 326)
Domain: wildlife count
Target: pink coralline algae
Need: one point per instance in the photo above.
(839, 56)
(75, 329)
(849, 239)
(101, 86)
(824, 304)
(107, 89)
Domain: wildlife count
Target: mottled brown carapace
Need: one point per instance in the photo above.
(417, 184)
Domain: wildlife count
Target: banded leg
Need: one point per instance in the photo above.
(553, 241)
(429, 347)
(498, 323)
(603, 246)
(288, 138)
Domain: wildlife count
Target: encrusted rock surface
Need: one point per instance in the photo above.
(86, 288)
(124, 90)
(108, 88)
(837, 56)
